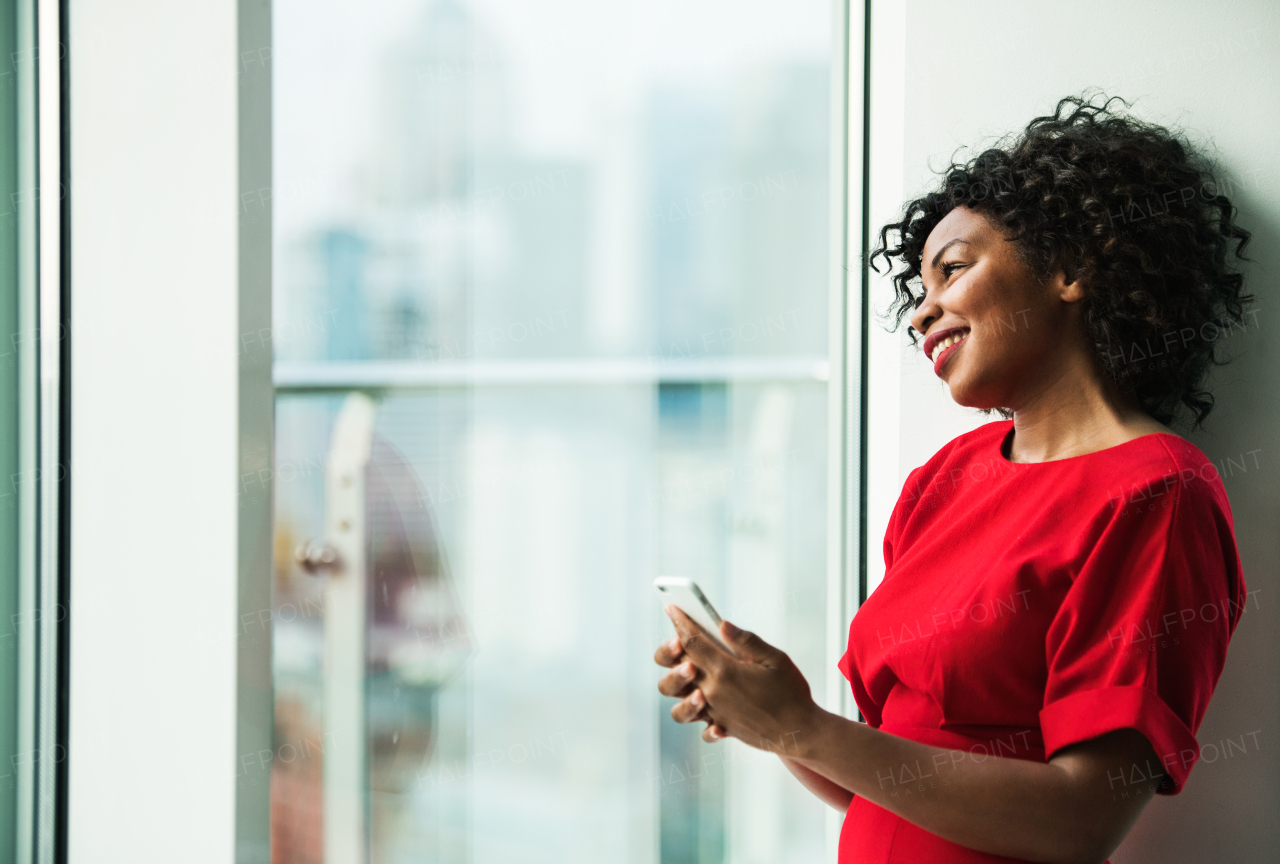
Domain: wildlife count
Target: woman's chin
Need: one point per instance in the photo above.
(970, 397)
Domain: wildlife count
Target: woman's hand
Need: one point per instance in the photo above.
(758, 696)
(681, 683)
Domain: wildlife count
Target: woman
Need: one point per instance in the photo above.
(1060, 586)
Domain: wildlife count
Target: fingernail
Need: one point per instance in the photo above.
(685, 669)
(697, 699)
(673, 644)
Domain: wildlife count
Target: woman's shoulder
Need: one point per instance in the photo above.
(1169, 462)
(1178, 451)
(1151, 458)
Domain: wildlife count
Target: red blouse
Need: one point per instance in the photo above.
(1026, 607)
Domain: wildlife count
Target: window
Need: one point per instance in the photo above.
(550, 320)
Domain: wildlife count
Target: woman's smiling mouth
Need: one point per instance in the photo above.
(939, 346)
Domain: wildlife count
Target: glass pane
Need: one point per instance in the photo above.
(575, 255)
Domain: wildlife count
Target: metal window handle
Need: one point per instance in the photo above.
(314, 557)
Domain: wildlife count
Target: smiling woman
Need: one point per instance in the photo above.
(1092, 196)
(1011, 713)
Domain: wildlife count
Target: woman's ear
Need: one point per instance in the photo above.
(1072, 283)
(1073, 291)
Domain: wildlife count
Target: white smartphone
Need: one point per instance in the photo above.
(686, 594)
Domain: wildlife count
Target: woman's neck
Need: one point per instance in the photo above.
(1078, 411)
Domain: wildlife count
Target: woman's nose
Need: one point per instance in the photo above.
(925, 314)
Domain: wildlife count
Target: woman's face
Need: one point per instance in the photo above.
(993, 331)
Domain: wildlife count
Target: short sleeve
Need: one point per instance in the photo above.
(1141, 637)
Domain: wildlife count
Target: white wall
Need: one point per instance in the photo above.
(154, 421)
(980, 70)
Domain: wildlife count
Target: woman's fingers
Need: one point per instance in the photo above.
(689, 708)
(696, 641)
(669, 653)
(678, 681)
(713, 733)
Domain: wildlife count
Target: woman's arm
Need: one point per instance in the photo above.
(1074, 809)
(830, 793)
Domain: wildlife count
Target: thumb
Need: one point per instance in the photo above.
(748, 645)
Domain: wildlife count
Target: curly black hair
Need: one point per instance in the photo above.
(1132, 208)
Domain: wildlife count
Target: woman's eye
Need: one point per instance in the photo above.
(948, 269)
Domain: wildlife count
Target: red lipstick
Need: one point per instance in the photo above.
(941, 358)
(944, 356)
